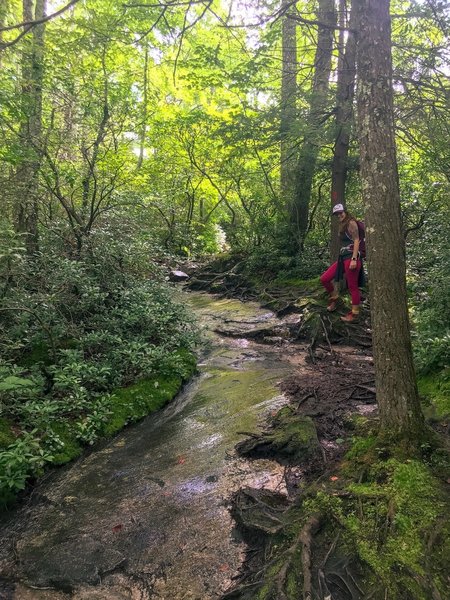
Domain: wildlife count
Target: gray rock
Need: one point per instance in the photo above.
(178, 276)
(67, 564)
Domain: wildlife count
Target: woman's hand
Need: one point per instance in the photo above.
(353, 264)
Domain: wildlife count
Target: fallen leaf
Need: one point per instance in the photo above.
(181, 460)
(117, 528)
(334, 478)
(224, 568)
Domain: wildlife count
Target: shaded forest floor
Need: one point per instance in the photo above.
(359, 520)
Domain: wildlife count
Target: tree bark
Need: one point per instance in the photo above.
(400, 412)
(31, 126)
(288, 106)
(344, 116)
(314, 128)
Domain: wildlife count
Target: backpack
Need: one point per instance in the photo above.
(362, 237)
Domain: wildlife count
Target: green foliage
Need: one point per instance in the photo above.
(432, 329)
(12, 384)
(268, 261)
(6, 435)
(24, 457)
(436, 388)
(78, 330)
(429, 289)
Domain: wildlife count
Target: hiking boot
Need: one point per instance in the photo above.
(332, 304)
(350, 317)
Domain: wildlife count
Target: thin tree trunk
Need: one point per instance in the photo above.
(31, 126)
(4, 6)
(144, 111)
(315, 123)
(91, 156)
(400, 413)
(344, 116)
(288, 106)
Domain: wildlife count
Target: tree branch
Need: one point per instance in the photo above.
(28, 25)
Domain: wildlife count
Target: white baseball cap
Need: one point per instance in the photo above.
(337, 208)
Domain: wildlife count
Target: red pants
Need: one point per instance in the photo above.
(351, 277)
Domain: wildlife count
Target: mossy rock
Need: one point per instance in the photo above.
(136, 401)
(292, 440)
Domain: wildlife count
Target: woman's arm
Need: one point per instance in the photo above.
(354, 234)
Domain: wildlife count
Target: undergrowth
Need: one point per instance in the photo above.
(393, 514)
(75, 331)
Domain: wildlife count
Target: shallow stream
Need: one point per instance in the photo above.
(146, 515)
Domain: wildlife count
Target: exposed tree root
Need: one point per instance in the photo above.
(306, 535)
(304, 539)
(315, 324)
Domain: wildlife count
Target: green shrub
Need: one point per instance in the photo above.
(74, 330)
(24, 457)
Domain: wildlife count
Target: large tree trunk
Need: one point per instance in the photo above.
(31, 126)
(288, 106)
(344, 116)
(400, 413)
(315, 123)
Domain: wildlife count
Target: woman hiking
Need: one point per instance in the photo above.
(348, 264)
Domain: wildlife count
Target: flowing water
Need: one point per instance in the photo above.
(146, 515)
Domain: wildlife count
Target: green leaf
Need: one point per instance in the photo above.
(15, 383)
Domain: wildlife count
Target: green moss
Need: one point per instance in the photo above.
(303, 284)
(138, 400)
(144, 397)
(6, 435)
(295, 436)
(71, 446)
(293, 584)
(362, 453)
(268, 587)
(397, 510)
(436, 389)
